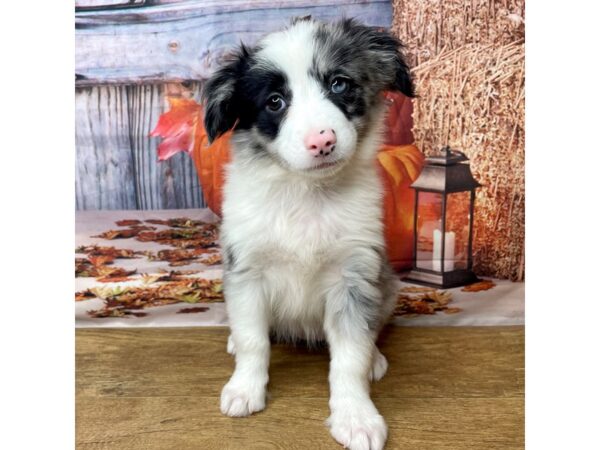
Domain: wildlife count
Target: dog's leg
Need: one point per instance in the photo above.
(246, 390)
(390, 286)
(352, 316)
(230, 346)
(354, 421)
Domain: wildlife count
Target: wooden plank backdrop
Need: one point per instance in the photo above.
(116, 159)
(124, 58)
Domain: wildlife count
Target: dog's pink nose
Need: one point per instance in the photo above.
(320, 142)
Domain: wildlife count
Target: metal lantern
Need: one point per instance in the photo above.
(443, 223)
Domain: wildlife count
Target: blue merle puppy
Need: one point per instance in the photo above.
(302, 225)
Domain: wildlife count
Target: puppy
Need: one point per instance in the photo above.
(302, 231)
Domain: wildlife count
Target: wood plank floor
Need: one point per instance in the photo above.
(446, 388)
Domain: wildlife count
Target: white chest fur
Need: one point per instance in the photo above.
(293, 233)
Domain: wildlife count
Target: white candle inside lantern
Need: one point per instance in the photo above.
(448, 251)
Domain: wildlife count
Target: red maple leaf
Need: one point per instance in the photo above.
(178, 127)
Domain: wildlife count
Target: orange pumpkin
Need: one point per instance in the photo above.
(210, 161)
(399, 167)
(399, 119)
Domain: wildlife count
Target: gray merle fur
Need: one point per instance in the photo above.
(371, 59)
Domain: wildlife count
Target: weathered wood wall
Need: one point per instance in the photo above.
(116, 160)
(124, 55)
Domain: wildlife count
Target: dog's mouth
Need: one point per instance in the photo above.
(324, 165)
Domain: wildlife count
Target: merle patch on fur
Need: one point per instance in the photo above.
(364, 278)
(362, 307)
(229, 257)
(371, 59)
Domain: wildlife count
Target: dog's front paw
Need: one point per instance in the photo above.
(358, 428)
(380, 366)
(240, 399)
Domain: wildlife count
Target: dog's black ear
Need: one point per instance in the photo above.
(297, 19)
(219, 95)
(403, 80)
(394, 61)
(386, 54)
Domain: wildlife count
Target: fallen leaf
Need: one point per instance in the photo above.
(440, 297)
(101, 260)
(95, 250)
(149, 278)
(195, 309)
(180, 263)
(416, 289)
(118, 234)
(212, 260)
(105, 313)
(482, 285)
(428, 301)
(128, 222)
(113, 279)
(179, 272)
(178, 222)
(84, 295)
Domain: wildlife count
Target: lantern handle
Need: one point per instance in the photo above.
(447, 157)
(449, 153)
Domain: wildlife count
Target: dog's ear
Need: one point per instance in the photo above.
(393, 61)
(297, 19)
(219, 95)
(386, 53)
(403, 79)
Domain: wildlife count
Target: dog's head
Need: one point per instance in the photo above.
(305, 96)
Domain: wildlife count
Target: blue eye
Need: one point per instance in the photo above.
(339, 85)
(275, 103)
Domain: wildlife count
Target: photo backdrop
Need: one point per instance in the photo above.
(129, 55)
(467, 58)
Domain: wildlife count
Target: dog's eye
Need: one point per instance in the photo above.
(275, 103)
(339, 85)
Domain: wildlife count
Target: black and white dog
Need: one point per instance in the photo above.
(302, 227)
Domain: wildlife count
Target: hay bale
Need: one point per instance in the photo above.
(474, 101)
(470, 82)
(429, 27)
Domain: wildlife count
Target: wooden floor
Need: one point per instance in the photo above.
(446, 388)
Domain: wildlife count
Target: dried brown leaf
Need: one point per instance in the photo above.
(195, 309)
(128, 222)
(84, 295)
(416, 289)
(212, 260)
(482, 285)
